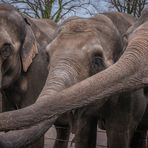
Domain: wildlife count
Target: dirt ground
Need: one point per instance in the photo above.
(51, 134)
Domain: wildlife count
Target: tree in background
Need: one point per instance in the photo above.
(60, 9)
(53, 9)
(133, 7)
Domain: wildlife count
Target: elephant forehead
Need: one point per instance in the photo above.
(93, 44)
(14, 17)
(14, 24)
(71, 40)
(78, 25)
(5, 37)
(83, 25)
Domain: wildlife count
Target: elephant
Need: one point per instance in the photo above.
(113, 116)
(87, 117)
(72, 61)
(24, 60)
(139, 139)
(73, 26)
(65, 71)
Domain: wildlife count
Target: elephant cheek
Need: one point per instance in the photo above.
(108, 63)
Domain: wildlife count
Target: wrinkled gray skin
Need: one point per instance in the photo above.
(79, 51)
(128, 73)
(24, 60)
(115, 115)
(121, 20)
(82, 48)
(139, 140)
(140, 136)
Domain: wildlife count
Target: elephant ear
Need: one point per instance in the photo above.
(29, 49)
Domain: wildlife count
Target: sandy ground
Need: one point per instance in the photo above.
(51, 134)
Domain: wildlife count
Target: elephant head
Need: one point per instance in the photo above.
(18, 45)
(23, 54)
(81, 48)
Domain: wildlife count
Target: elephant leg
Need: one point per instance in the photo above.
(86, 136)
(7, 105)
(62, 138)
(37, 144)
(139, 139)
(118, 139)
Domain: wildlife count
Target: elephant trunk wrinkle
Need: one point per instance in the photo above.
(62, 75)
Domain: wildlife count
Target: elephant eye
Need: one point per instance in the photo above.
(97, 63)
(6, 51)
(98, 60)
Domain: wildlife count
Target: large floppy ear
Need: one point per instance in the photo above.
(29, 49)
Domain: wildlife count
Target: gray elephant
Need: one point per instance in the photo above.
(114, 117)
(122, 21)
(24, 60)
(140, 136)
(82, 48)
(73, 60)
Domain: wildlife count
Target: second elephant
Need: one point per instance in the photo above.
(24, 60)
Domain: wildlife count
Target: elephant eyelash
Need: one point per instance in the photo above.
(98, 54)
(101, 58)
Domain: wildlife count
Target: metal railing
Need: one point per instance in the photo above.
(99, 132)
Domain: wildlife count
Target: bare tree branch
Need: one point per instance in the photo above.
(53, 9)
(133, 7)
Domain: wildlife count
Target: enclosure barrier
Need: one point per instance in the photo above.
(99, 133)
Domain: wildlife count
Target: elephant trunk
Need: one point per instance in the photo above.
(62, 74)
(127, 74)
(15, 139)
